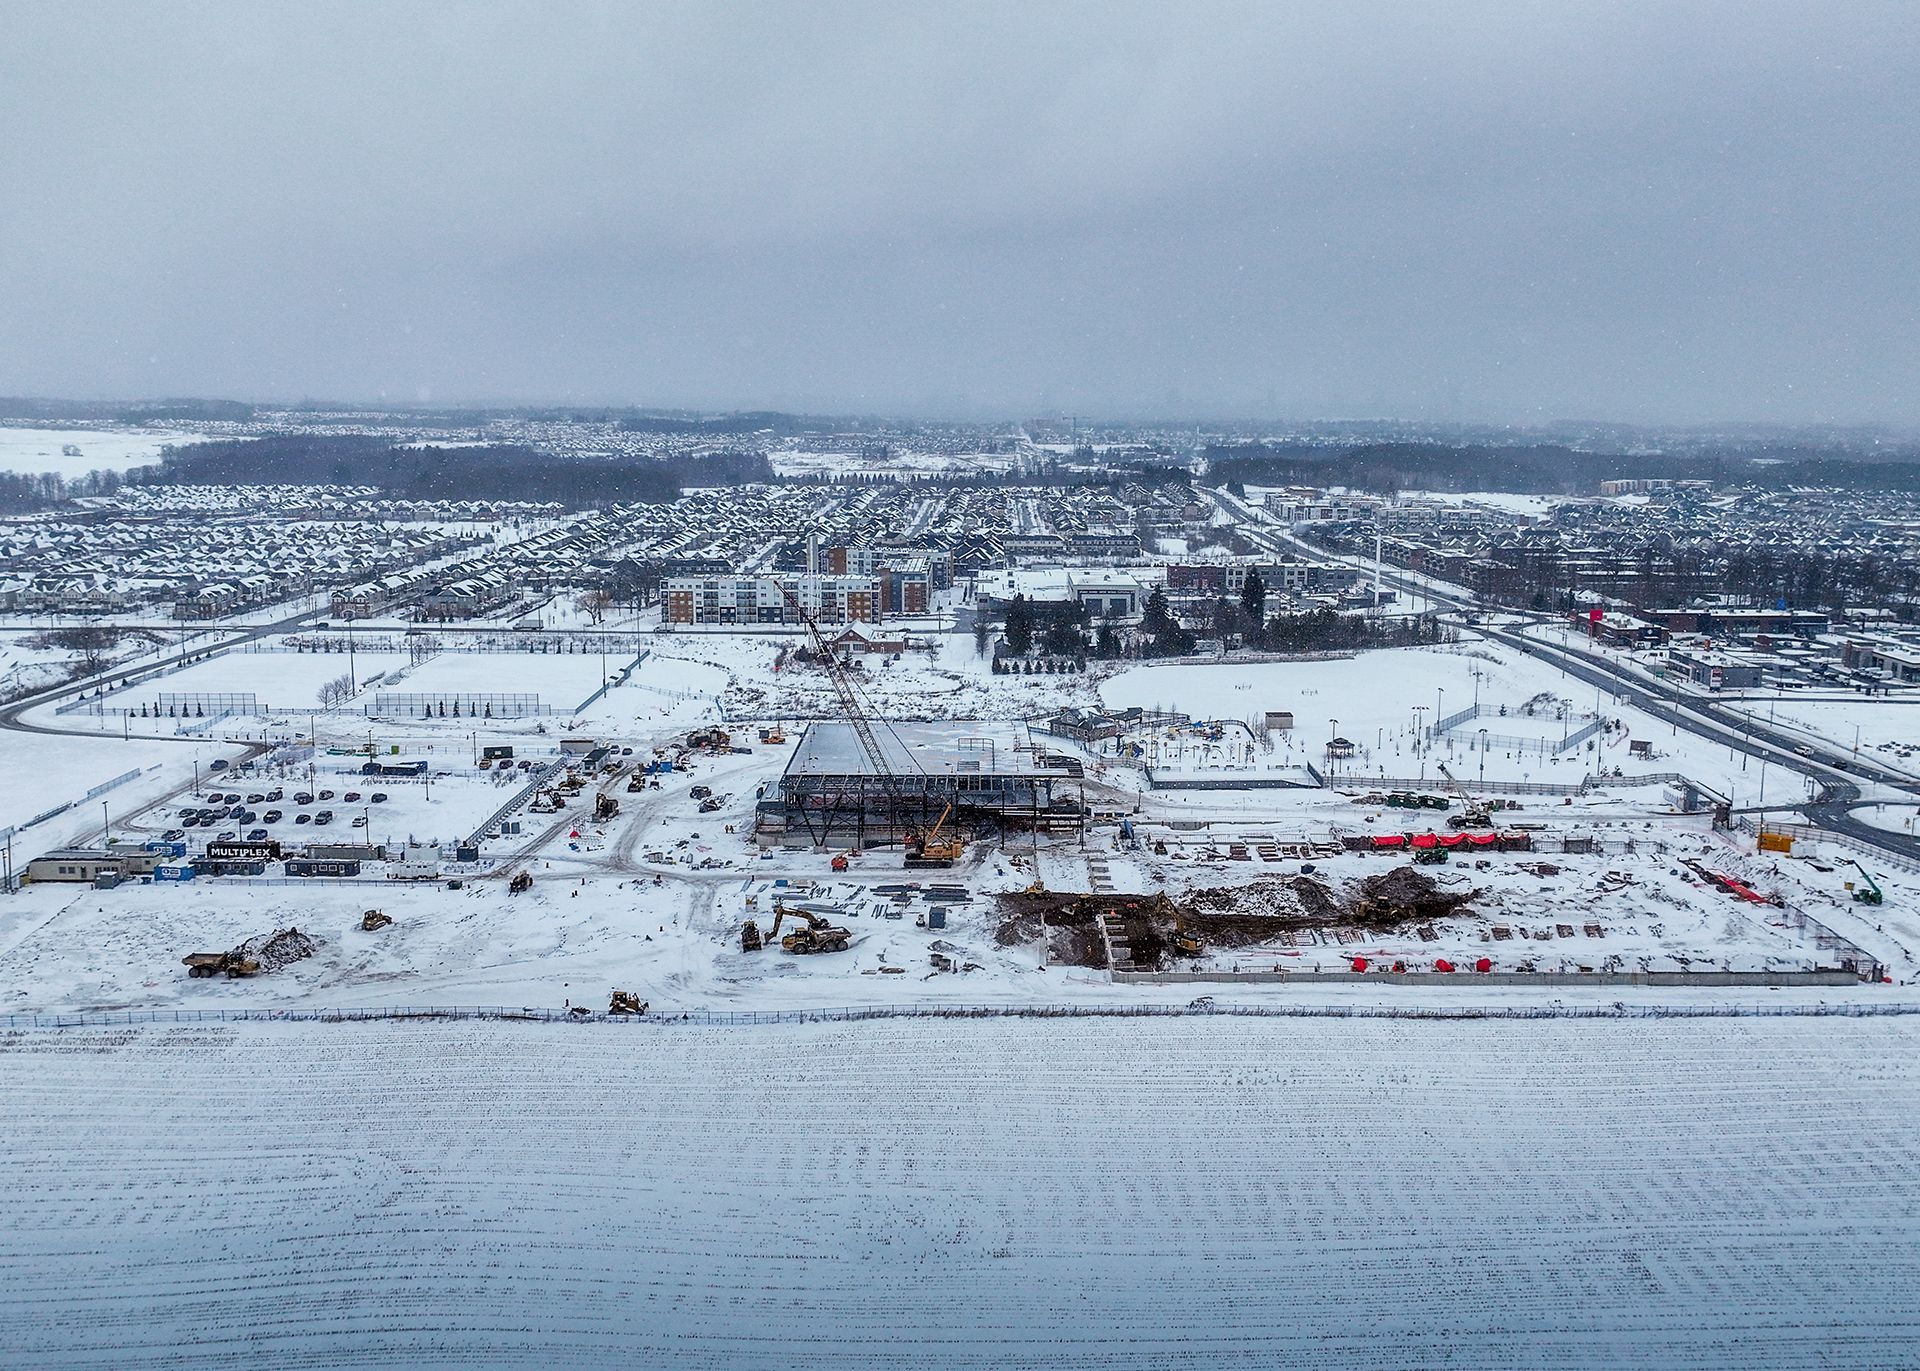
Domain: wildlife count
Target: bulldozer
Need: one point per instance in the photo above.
(1187, 944)
(933, 850)
(520, 884)
(750, 939)
(626, 1002)
(817, 936)
(604, 807)
(374, 920)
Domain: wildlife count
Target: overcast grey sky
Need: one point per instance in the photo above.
(1504, 212)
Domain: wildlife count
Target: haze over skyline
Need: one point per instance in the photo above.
(1476, 212)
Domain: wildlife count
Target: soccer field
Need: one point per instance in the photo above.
(1194, 1192)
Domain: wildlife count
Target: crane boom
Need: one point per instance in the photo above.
(844, 688)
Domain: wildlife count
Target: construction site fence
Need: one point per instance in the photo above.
(859, 1013)
(1768, 979)
(1440, 783)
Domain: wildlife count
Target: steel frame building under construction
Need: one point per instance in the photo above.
(831, 795)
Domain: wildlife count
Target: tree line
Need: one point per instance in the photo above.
(493, 472)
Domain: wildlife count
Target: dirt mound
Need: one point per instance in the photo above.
(275, 950)
(1298, 902)
(1404, 893)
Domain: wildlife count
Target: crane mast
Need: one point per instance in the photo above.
(844, 687)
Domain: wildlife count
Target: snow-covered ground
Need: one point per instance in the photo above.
(1385, 700)
(37, 450)
(1060, 1194)
(45, 771)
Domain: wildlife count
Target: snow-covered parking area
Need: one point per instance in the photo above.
(1007, 1193)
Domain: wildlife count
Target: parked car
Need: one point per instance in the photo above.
(272, 816)
(225, 836)
(378, 797)
(218, 764)
(359, 821)
(274, 795)
(352, 797)
(326, 794)
(325, 816)
(303, 818)
(172, 835)
(256, 799)
(303, 797)
(257, 835)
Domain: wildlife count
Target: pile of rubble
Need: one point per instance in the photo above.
(271, 951)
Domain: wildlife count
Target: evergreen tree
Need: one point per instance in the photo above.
(1253, 597)
(1020, 625)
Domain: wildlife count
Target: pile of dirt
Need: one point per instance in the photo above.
(1404, 894)
(275, 950)
(1301, 902)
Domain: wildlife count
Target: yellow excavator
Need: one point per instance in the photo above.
(1186, 943)
(817, 936)
(933, 850)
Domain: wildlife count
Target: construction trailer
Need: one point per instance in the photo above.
(832, 796)
(85, 865)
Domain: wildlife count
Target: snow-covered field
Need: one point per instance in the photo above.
(1384, 700)
(1195, 1193)
(42, 772)
(37, 450)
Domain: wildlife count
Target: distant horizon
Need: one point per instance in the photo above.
(1090, 420)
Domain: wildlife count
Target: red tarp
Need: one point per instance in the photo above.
(1483, 839)
(1389, 839)
(1426, 840)
(1359, 963)
(1443, 965)
(1452, 839)
(1484, 964)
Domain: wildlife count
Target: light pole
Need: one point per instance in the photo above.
(1483, 755)
(106, 828)
(1333, 760)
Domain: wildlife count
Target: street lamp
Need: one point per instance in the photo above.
(1333, 760)
(1483, 755)
(106, 829)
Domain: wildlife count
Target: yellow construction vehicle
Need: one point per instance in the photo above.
(374, 920)
(933, 850)
(626, 1002)
(750, 939)
(1038, 887)
(817, 936)
(1186, 943)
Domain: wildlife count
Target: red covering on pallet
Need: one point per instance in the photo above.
(1484, 964)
